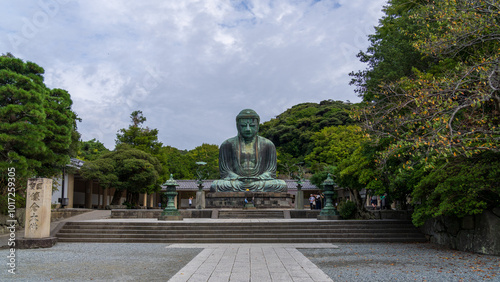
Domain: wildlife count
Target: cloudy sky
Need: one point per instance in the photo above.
(189, 65)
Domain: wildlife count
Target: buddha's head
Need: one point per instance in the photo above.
(247, 122)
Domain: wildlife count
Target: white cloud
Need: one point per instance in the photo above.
(190, 66)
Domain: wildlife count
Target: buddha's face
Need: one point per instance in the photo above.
(247, 127)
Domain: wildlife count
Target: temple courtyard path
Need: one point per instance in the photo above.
(250, 262)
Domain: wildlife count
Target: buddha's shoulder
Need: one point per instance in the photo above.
(264, 140)
(230, 141)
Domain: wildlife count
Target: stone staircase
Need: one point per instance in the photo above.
(251, 214)
(293, 231)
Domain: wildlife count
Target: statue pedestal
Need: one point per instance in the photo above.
(200, 200)
(299, 200)
(262, 200)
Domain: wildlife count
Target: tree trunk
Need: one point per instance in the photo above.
(116, 197)
(133, 199)
(361, 212)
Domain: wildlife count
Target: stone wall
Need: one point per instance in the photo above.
(304, 213)
(155, 213)
(55, 215)
(20, 217)
(266, 200)
(478, 233)
(391, 214)
(59, 214)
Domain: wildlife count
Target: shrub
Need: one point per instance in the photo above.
(347, 209)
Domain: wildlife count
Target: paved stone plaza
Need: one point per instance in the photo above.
(247, 262)
(250, 262)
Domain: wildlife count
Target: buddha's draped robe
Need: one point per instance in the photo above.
(240, 170)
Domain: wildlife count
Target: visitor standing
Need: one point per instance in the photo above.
(318, 201)
(190, 201)
(312, 200)
(383, 201)
(374, 202)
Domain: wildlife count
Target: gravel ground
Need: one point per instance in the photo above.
(403, 262)
(97, 262)
(153, 262)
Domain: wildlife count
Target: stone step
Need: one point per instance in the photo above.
(241, 232)
(263, 223)
(243, 240)
(243, 235)
(229, 227)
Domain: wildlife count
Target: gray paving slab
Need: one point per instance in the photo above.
(250, 262)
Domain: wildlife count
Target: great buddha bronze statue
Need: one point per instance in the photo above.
(248, 161)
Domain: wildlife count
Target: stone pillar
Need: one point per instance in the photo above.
(105, 201)
(100, 198)
(299, 200)
(70, 192)
(38, 209)
(145, 200)
(88, 194)
(37, 225)
(200, 199)
(151, 203)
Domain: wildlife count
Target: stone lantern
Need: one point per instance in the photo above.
(170, 212)
(329, 212)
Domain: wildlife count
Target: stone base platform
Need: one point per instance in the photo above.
(209, 213)
(261, 200)
(35, 243)
(156, 213)
(170, 217)
(329, 217)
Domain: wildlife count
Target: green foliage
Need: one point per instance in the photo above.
(391, 54)
(347, 209)
(432, 110)
(177, 163)
(142, 138)
(459, 187)
(182, 164)
(318, 178)
(125, 168)
(359, 170)
(91, 150)
(292, 130)
(288, 166)
(333, 144)
(210, 155)
(37, 126)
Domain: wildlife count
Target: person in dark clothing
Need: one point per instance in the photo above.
(374, 202)
(318, 202)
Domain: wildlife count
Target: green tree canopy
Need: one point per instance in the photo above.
(292, 130)
(391, 54)
(210, 155)
(142, 138)
(126, 169)
(333, 144)
(441, 111)
(37, 126)
(91, 150)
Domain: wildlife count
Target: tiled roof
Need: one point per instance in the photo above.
(192, 185)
